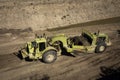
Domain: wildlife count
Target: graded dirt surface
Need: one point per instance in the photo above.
(83, 67)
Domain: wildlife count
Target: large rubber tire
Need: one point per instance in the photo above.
(49, 56)
(101, 47)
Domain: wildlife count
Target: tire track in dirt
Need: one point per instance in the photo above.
(22, 70)
(32, 65)
(70, 68)
(86, 67)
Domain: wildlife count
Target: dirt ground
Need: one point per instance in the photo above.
(83, 67)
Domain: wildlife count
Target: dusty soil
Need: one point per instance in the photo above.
(83, 67)
(47, 14)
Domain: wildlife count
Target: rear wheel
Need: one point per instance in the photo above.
(49, 56)
(101, 47)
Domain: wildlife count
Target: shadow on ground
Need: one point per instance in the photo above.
(19, 55)
(65, 53)
(109, 73)
(37, 77)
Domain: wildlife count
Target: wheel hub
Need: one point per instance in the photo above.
(50, 58)
(102, 48)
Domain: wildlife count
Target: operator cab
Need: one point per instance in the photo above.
(41, 43)
(38, 45)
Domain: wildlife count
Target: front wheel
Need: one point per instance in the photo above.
(49, 56)
(101, 47)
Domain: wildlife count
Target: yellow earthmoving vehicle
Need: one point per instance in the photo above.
(48, 49)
